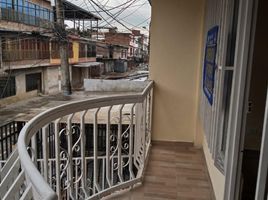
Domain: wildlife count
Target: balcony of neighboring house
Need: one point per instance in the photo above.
(25, 15)
(24, 51)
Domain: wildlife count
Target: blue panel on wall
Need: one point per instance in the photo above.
(210, 63)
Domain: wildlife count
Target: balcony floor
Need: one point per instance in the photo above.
(174, 171)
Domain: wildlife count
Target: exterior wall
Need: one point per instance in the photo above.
(51, 80)
(76, 52)
(117, 38)
(102, 50)
(20, 84)
(75, 58)
(175, 54)
(20, 78)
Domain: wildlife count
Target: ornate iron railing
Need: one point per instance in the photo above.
(73, 170)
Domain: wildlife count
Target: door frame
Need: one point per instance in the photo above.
(239, 97)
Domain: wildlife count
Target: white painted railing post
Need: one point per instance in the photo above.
(95, 152)
(83, 152)
(108, 146)
(119, 142)
(69, 133)
(45, 152)
(131, 135)
(57, 158)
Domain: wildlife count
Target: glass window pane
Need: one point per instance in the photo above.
(20, 5)
(9, 3)
(51, 16)
(3, 4)
(37, 11)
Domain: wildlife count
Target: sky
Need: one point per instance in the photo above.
(133, 14)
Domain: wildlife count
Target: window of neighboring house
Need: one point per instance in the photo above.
(71, 53)
(32, 13)
(82, 50)
(9, 4)
(33, 82)
(9, 89)
(91, 50)
(3, 4)
(26, 12)
(10, 49)
(51, 17)
(44, 49)
(37, 11)
(46, 14)
(55, 50)
(20, 6)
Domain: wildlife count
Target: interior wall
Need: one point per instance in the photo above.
(175, 54)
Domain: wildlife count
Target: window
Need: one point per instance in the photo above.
(20, 6)
(55, 50)
(3, 4)
(9, 4)
(7, 86)
(82, 50)
(51, 16)
(33, 82)
(227, 86)
(91, 50)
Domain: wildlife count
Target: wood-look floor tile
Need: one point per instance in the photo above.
(174, 172)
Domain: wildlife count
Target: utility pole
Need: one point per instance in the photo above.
(64, 50)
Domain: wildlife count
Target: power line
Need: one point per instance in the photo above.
(122, 10)
(110, 15)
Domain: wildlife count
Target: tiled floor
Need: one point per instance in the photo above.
(174, 171)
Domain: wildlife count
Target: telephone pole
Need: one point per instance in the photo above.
(64, 50)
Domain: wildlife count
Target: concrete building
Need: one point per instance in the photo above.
(30, 51)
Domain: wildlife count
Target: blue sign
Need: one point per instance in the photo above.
(210, 63)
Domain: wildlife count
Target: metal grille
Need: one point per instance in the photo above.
(9, 134)
(7, 87)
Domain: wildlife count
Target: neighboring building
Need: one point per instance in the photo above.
(114, 56)
(29, 50)
(135, 42)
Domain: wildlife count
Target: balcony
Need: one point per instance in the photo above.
(33, 16)
(93, 148)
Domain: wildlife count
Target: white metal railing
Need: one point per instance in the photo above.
(63, 158)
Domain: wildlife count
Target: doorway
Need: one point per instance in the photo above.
(256, 107)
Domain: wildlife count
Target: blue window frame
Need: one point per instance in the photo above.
(51, 16)
(20, 5)
(3, 4)
(46, 14)
(9, 4)
(37, 10)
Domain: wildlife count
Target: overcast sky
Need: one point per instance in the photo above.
(134, 14)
